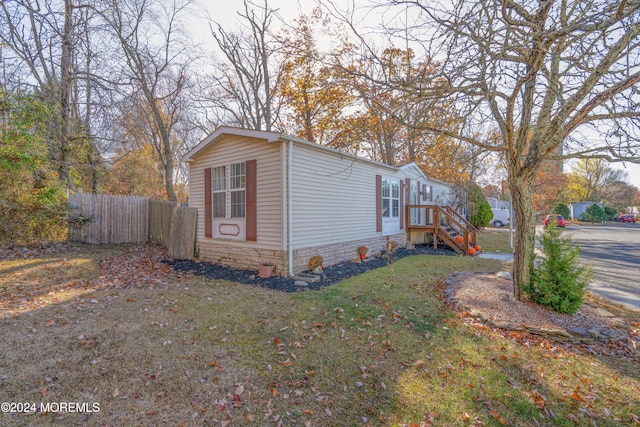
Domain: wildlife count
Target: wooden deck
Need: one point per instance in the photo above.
(444, 225)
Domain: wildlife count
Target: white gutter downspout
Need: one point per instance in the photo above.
(290, 207)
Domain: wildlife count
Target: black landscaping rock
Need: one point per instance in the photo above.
(333, 274)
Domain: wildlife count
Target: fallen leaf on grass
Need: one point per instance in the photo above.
(538, 400)
(577, 397)
(236, 402)
(498, 417)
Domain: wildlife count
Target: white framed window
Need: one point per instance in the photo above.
(228, 185)
(238, 177)
(219, 189)
(395, 199)
(386, 198)
(390, 198)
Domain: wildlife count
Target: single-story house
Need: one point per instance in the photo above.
(578, 209)
(265, 197)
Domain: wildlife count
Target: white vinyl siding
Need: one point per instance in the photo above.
(441, 193)
(334, 197)
(229, 150)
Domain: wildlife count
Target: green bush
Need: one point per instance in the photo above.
(610, 212)
(558, 280)
(480, 212)
(594, 213)
(33, 201)
(563, 210)
(482, 216)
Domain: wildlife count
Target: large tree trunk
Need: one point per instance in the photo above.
(65, 96)
(521, 192)
(168, 168)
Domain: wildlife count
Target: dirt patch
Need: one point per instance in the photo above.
(33, 278)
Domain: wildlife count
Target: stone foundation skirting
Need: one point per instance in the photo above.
(241, 256)
(245, 257)
(344, 251)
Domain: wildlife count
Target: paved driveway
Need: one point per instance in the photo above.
(613, 249)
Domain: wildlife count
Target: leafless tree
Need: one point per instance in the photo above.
(42, 37)
(620, 195)
(557, 78)
(155, 52)
(244, 83)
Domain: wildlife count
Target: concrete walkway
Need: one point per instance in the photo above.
(502, 256)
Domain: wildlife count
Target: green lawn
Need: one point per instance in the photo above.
(379, 349)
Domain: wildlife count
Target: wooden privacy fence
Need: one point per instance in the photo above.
(160, 215)
(103, 219)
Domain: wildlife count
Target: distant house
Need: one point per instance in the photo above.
(579, 208)
(267, 197)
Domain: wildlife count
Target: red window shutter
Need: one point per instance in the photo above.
(418, 186)
(402, 191)
(208, 203)
(379, 203)
(431, 193)
(252, 201)
(424, 192)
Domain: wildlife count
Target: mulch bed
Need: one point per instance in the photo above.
(333, 274)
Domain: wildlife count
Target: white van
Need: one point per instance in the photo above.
(500, 217)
